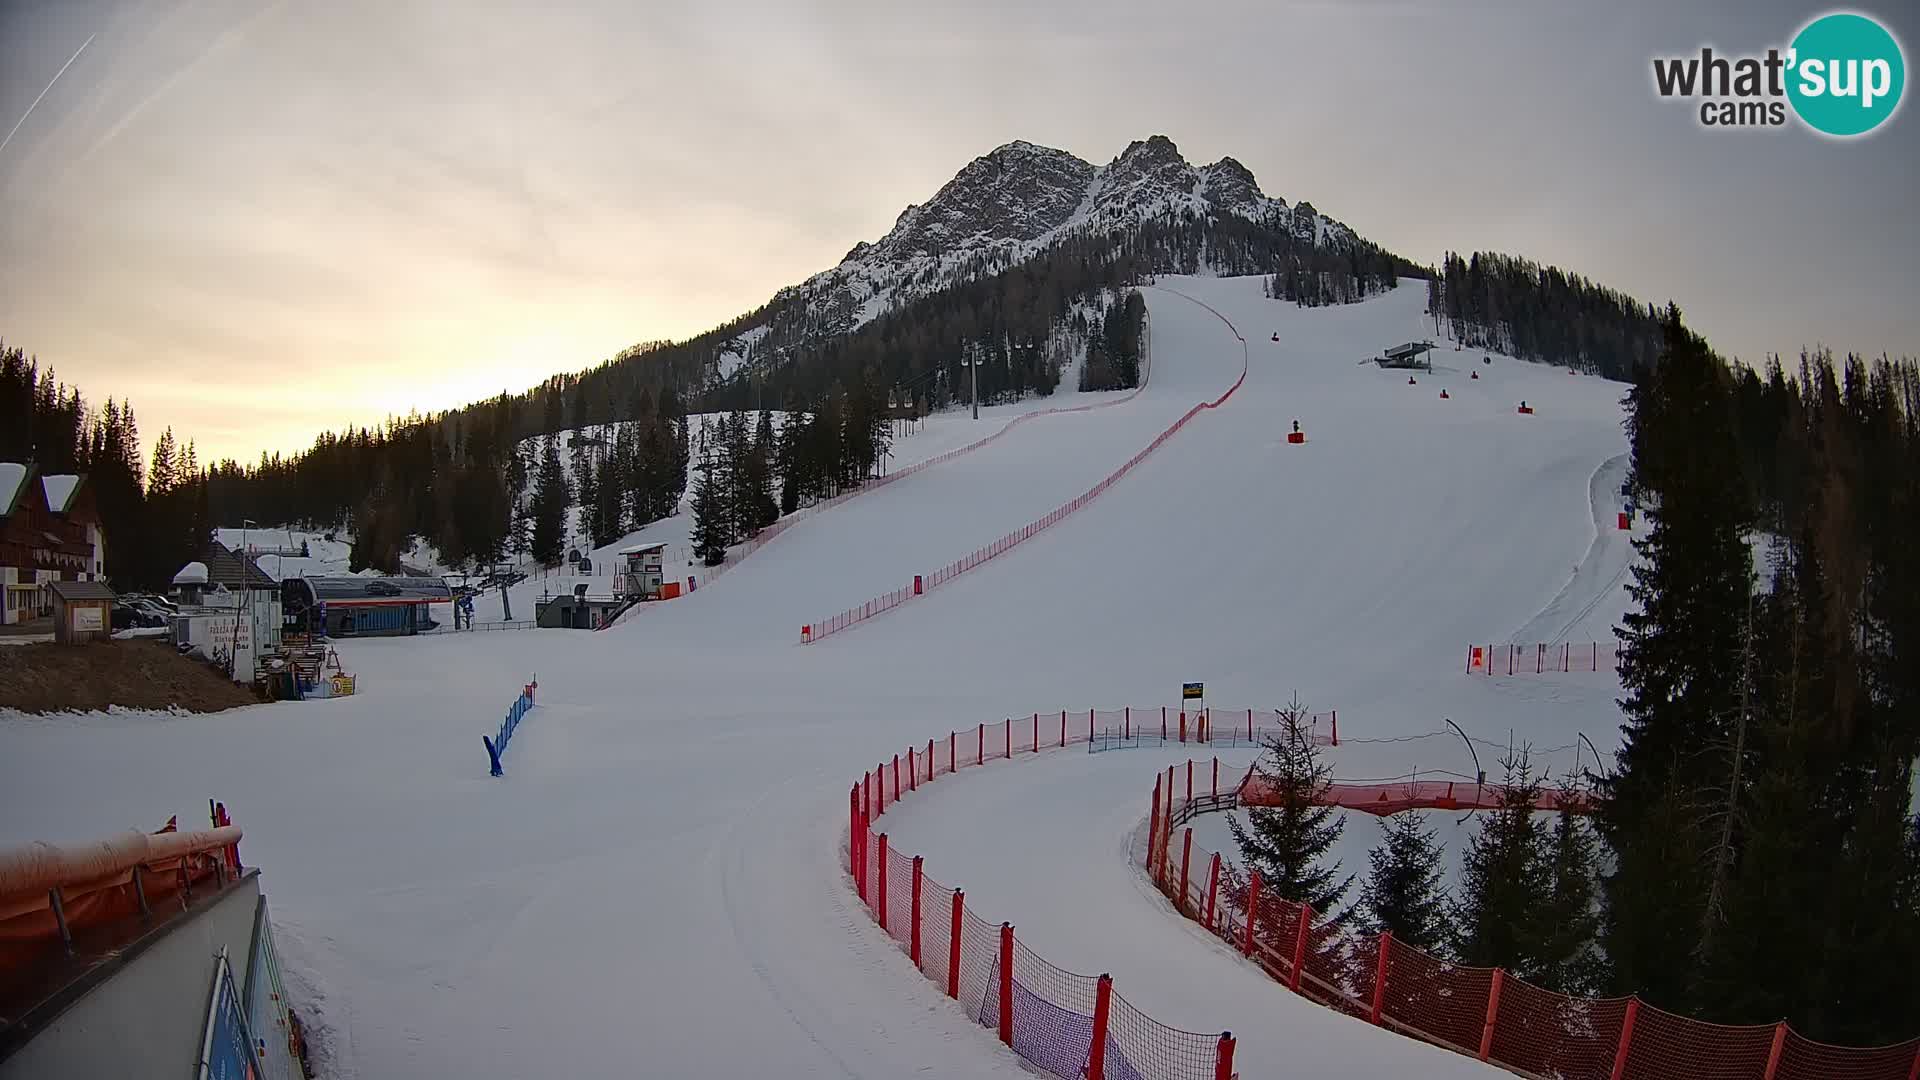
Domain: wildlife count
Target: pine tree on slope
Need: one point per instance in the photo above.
(1404, 893)
(1499, 910)
(1288, 843)
(710, 514)
(1680, 666)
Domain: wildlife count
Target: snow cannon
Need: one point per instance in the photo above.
(1444, 396)
(1296, 436)
(1526, 409)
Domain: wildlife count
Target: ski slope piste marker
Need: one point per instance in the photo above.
(497, 745)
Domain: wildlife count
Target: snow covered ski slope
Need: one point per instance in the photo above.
(652, 888)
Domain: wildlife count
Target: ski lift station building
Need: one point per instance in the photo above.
(368, 606)
(1408, 356)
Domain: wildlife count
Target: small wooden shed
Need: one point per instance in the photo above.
(82, 611)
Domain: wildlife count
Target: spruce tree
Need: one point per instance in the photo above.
(1404, 893)
(1287, 843)
(1681, 667)
(709, 535)
(1570, 960)
(1499, 911)
(551, 501)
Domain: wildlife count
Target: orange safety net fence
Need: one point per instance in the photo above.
(1484, 1013)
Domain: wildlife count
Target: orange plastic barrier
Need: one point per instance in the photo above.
(1486, 1013)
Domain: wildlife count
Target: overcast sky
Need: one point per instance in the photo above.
(258, 220)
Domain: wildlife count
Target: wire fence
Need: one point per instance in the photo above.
(853, 616)
(1064, 1024)
(1485, 1013)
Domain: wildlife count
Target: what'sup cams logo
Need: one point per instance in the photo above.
(1843, 76)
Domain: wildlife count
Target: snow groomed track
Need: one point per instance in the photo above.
(645, 890)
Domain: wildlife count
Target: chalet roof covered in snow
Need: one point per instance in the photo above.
(234, 570)
(60, 489)
(13, 477)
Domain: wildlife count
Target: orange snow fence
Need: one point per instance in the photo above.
(49, 893)
(1484, 1013)
(1064, 1024)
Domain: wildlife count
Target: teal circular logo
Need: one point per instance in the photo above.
(1845, 74)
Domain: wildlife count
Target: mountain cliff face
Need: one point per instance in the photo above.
(1016, 202)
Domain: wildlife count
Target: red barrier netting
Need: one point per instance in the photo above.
(899, 896)
(1550, 1034)
(1531, 1030)
(1444, 1002)
(1666, 1045)
(833, 625)
(1054, 1012)
(936, 931)
(1540, 658)
(979, 960)
(1803, 1059)
(1142, 1047)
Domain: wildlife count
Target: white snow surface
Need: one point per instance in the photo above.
(11, 475)
(654, 886)
(59, 489)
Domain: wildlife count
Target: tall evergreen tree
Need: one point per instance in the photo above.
(1499, 910)
(1288, 843)
(551, 501)
(710, 535)
(1404, 892)
(1681, 667)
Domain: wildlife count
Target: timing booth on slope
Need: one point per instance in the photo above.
(642, 574)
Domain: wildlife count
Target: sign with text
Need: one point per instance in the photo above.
(87, 618)
(1192, 691)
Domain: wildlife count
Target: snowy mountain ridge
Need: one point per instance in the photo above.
(1014, 203)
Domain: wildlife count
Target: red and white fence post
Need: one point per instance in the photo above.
(980, 752)
(1493, 1013)
(1213, 887)
(1153, 826)
(856, 859)
(1253, 911)
(1626, 1039)
(953, 759)
(1102, 1009)
(1186, 857)
(1773, 1053)
(883, 881)
(913, 773)
(955, 921)
(1300, 947)
(1380, 975)
(914, 948)
(1006, 983)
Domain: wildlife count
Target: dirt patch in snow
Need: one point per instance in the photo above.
(44, 678)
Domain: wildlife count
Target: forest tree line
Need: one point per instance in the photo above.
(154, 519)
(1755, 855)
(1515, 306)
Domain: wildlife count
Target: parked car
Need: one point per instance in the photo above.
(126, 615)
